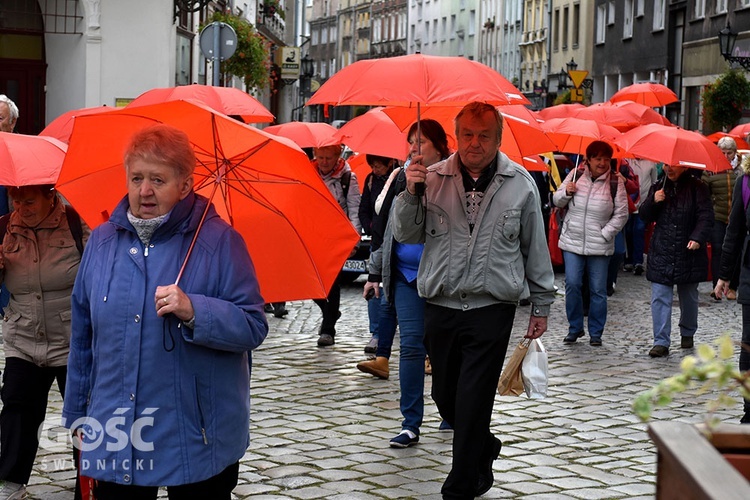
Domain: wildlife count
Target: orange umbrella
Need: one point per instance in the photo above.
(297, 235)
(739, 140)
(306, 134)
(358, 164)
(673, 146)
(374, 133)
(29, 159)
(645, 114)
(620, 118)
(653, 95)
(560, 111)
(741, 130)
(573, 135)
(417, 79)
(61, 127)
(227, 100)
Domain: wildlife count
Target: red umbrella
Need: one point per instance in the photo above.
(739, 140)
(673, 146)
(306, 134)
(741, 130)
(653, 95)
(620, 118)
(29, 159)
(227, 100)
(645, 114)
(61, 127)
(417, 79)
(374, 133)
(560, 111)
(296, 233)
(573, 135)
(358, 164)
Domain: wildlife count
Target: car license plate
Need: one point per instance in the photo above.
(357, 266)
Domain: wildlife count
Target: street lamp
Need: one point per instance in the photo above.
(307, 70)
(572, 65)
(727, 39)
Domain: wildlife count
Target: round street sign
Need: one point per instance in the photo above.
(227, 41)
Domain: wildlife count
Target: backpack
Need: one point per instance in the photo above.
(346, 179)
(74, 222)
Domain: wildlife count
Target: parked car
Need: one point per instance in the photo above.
(357, 264)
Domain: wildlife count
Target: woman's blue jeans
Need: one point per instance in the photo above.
(410, 313)
(661, 311)
(597, 266)
(386, 329)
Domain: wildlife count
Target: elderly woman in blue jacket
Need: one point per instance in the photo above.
(597, 212)
(158, 379)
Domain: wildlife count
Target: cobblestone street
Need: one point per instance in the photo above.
(320, 428)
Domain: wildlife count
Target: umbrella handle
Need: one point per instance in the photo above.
(419, 188)
(195, 236)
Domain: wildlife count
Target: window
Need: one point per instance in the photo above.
(627, 20)
(434, 30)
(576, 24)
(315, 36)
(640, 8)
(601, 22)
(427, 32)
(182, 68)
(453, 26)
(744, 3)
(556, 30)
(444, 30)
(721, 6)
(565, 22)
(699, 12)
(324, 35)
(611, 12)
(659, 8)
(472, 22)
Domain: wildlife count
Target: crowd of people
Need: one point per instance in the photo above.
(459, 240)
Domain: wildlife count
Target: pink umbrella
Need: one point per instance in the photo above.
(30, 159)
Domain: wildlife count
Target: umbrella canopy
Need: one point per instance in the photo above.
(417, 79)
(573, 135)
(227, 100)
(620, 118)
(61, 127)
(673, 146)
(739, 140)
(358, 164)
(653, 95)
(306, 134)
(741, 130)
(645, 114)
(30, 159)
(374, 133)
(296, 233)
(560, 111)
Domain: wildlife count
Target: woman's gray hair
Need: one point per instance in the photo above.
(11, 107)
(727, 143)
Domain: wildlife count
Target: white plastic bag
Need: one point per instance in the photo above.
(534, 370)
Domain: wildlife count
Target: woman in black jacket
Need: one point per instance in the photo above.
(680, 205)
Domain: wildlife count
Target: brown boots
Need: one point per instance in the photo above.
(377, 367)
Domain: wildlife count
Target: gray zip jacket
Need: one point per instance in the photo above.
(504, 259)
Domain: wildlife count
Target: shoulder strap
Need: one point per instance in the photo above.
(346, 179)
(613, 182)
(76, 229)
(4, 226)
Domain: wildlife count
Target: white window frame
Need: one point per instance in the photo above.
(627, 19)
(640, 8)
(660, 7)
(601, 23)
(699, 9)
(611, 12)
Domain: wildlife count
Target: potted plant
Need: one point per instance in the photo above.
(711, 460)
(724, 100)
(489, 24)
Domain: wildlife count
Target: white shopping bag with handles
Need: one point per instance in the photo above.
(534, 370)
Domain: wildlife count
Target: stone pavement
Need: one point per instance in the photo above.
(320, 428)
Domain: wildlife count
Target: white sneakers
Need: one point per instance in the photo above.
(12, 491)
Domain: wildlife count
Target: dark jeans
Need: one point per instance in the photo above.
(25, 392)
(467, 349)
(635, 238)
(330, 309)
(218, 487)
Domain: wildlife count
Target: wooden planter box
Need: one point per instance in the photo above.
(690, 465)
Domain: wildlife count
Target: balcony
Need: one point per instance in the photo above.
(271, 27)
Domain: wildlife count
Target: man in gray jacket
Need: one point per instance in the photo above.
(481, 222)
